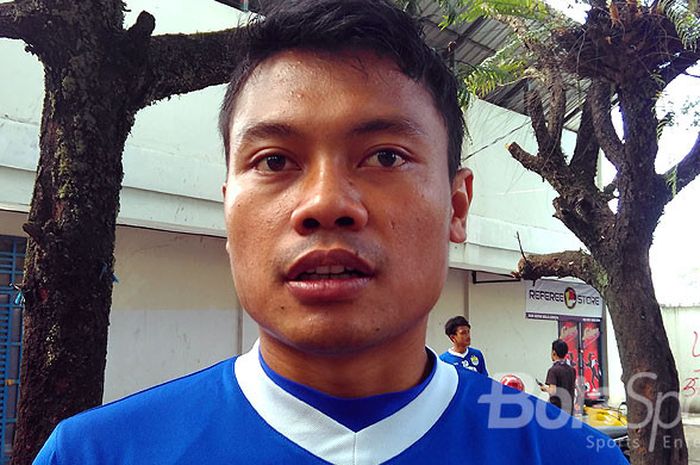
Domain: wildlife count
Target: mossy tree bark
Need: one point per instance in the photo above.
(97, 76)
(631, 51)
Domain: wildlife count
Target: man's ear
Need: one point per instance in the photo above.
(461, 199)
(223, 194)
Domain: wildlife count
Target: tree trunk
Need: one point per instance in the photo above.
(648, 366)
(68, 271)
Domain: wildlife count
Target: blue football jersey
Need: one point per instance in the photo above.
(233, 413)
(472, 360)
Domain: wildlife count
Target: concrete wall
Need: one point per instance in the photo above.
(453, 301)
(174, 309)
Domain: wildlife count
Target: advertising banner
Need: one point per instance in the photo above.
(592, 372)
(568, 332)
(549, 299)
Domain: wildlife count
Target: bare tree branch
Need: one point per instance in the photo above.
(180, 63)
(525, 158)
(534, 108)
(557, 104)
(599, 99)
(9, 25)
(685, 171)
(585, 159)
(575, 263)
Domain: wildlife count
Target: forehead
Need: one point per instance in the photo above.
(461, 329)
(320, 68)
(361, 84)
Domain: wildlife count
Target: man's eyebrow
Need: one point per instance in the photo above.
(400, 126)
(265, 130)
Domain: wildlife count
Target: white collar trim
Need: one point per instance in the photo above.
(457, 354)
(326, 438)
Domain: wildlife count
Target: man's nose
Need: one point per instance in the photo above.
(329, 200)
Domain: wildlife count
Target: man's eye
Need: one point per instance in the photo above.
(385, 159)
(275, 163)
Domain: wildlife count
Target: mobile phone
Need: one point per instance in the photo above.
(539, 382)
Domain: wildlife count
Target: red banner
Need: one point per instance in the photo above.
(592, 372)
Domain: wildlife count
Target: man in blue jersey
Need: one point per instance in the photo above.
(461, 355)
(343, 138)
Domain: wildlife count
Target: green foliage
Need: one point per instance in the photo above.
(684, 17)
(461, 11)
(492, 73)
(667, 120)
(672, 180)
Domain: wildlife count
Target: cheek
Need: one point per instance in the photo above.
(247, 231)
(419, 239)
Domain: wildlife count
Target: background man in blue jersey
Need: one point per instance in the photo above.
(461, 355)
(343, 138)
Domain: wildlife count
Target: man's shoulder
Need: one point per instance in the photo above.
(493, 414)
(145, 423)
(477, 352)
(161, 400)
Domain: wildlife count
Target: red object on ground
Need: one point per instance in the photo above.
(513, 381)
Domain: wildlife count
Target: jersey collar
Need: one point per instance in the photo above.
(457, 354)
(329, 440)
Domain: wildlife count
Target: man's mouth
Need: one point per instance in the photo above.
(329, 264)
(329, 272)
(326, 276)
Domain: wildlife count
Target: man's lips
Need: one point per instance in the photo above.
(326, 276)
(320, 264)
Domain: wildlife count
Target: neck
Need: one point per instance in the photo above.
(460, 349)
(365, 372)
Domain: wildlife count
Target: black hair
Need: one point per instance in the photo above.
(454, 323)
(334, 25)
(560, 348)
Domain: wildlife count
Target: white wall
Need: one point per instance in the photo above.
(682, 326)
(174, 309)
(453, 301)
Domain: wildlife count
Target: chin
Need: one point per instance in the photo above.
(331, 343)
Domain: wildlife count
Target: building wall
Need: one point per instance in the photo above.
(174, 309)
(683, 330)
(453, 301)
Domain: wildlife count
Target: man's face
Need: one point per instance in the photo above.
(462, 338)
(338, 205)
